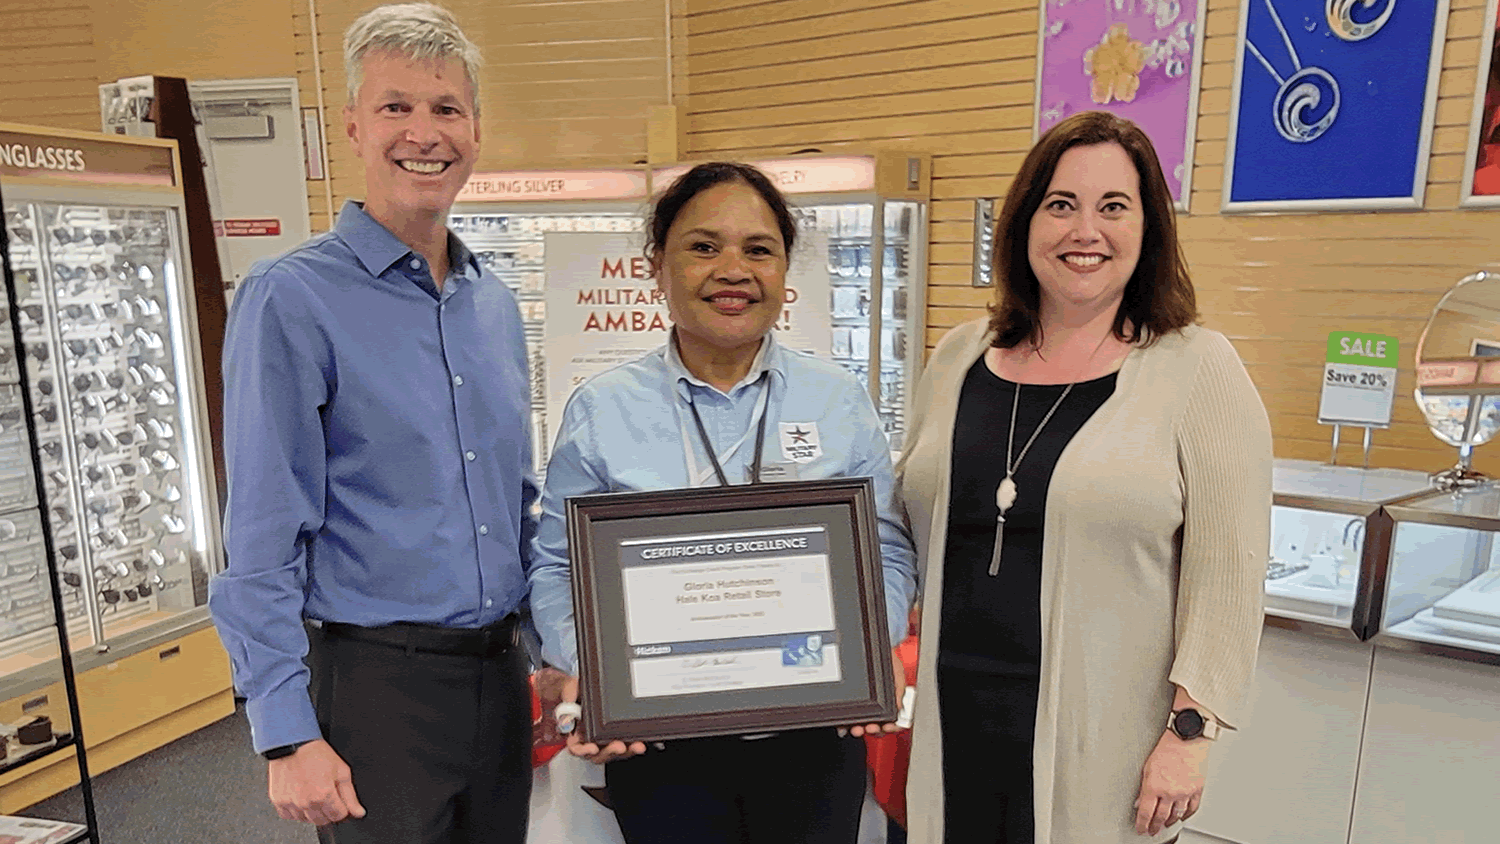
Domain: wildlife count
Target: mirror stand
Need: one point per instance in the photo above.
(1461, 476)
(1458, 373)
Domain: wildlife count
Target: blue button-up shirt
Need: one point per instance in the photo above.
(630, 429)
(377, 434)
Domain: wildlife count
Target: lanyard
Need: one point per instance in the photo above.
(760, 437)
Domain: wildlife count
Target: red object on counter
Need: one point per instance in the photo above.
(544, 741)
(889, 753)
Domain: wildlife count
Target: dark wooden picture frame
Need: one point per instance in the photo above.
(844, 508)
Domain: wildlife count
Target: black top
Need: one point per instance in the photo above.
(994, 624)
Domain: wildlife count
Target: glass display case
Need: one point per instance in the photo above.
(95, 227)
(866, 339)
(1441, 589)
(1328, 532)
(873, 210)
(504, 217)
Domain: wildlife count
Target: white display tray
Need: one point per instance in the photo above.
(1476, 602)
(1427, 627)
(1292, 597)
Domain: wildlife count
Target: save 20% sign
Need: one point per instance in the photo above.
(1359, 380)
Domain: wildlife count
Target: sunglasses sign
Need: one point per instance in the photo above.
(82, 159)
(23, 157)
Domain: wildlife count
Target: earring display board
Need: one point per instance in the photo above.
(1481, 185)
(1333, 111)
(1142, 62)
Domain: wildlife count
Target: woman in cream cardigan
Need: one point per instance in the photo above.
(1089, 480)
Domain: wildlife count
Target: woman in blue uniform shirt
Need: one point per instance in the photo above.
(688, 415)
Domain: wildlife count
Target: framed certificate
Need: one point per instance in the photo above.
(729, 610)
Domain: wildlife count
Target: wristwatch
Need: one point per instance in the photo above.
(1190, 724)
(282, 752)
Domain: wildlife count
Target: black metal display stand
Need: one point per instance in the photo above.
(74, 737)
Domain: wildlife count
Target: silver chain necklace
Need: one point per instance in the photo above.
(1005, 493)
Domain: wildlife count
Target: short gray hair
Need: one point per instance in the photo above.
(420, 31)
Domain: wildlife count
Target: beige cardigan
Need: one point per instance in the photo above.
(1153, 567)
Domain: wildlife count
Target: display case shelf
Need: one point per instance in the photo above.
(26, 754)
(1440, 590)
(1328, 535)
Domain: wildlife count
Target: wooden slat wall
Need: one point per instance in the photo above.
(193, 39)
(564, 84)
(48, 64)
(54, 53)
(955, 78)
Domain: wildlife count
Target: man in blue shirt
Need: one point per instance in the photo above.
(379, 512)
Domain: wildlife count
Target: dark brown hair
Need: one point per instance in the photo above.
(1159, 296)
(704, 176)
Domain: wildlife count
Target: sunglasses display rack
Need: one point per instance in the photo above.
(97, 292)
(41, 629)
(28, 610)
(511, 245)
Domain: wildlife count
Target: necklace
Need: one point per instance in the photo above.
(760, 436)
(1005, 493)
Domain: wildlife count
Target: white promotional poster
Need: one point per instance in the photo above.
(604, 309)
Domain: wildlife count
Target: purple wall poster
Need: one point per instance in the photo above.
(1139, 59)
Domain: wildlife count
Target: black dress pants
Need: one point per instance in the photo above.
(799, 787)
(439, 744)
(988, 727)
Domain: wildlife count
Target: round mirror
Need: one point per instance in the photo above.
(1458, 370)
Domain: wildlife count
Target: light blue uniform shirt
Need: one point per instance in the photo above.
(631, 430)
(377, 433)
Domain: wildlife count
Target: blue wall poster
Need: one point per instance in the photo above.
(1333, 104)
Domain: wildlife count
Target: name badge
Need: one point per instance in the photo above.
(774, 472)
(799, 441)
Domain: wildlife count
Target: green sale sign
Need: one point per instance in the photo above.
(1362, 349)
(1359, 379)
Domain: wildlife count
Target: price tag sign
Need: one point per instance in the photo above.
(1359, 380)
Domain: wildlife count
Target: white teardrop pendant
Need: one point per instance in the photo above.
(1005, 494)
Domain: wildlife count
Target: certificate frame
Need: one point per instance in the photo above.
(620, 646)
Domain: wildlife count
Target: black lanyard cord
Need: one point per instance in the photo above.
(760, 439)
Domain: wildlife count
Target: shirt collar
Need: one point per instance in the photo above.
(378, 249)
(770, 358)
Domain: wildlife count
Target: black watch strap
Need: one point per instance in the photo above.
(283, 751)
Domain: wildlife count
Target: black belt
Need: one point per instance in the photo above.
(493, 640)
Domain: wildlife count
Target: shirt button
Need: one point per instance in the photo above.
(484, 530)
(488, 602)
(416, 264)
(458, 380)
(469, 455)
